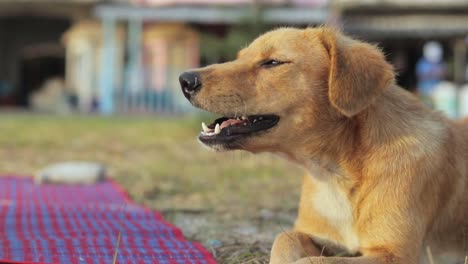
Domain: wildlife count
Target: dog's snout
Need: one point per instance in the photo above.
(190, 83)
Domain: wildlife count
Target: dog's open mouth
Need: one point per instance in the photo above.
(228, 130)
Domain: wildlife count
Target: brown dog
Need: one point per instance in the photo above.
(386, 177)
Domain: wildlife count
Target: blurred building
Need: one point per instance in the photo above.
(402, 27)
(30, 51)
(121, 56)
(126, 55)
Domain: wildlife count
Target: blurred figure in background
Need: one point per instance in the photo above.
(430, 70)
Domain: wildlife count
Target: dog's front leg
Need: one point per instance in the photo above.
(292, 246)
(406, 255)
(384, 259)
(298, 248)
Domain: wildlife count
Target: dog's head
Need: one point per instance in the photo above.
(286, 86)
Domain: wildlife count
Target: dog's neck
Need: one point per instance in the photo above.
(325, 154)
(404, 124)
(339, 151)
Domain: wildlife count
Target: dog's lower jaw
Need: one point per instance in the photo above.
(216, 147)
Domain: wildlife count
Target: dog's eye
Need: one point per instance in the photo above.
(271, 63)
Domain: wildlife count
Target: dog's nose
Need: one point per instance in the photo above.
(190, 83)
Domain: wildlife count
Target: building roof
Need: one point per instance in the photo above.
(212, 14)
(400, 4)
(407, 25)
(310, 3)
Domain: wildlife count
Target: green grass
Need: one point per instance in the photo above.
(234, 197)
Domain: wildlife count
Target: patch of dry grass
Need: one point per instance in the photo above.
(237, 198)
(239, 252)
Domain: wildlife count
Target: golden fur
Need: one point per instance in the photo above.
(386, 177)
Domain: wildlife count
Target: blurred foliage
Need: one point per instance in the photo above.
(215, 48)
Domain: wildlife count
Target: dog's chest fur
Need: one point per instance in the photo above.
(331, 203)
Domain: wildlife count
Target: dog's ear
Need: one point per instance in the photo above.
(358, 72)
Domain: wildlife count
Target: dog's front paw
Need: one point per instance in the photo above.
(292, 246)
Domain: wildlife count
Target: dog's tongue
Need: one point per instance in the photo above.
(230, 122)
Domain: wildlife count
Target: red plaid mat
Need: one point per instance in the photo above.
(81, 224)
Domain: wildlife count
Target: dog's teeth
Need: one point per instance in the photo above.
(244, 118)
(260, 118)
(255, 120)
(217, 129)
(205, 128)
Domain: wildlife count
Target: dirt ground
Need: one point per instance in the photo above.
(234, 203)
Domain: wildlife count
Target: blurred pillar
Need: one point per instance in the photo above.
(83, 46)
(171, 48)
(459, 52)
(134, 83)
(106, 103)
